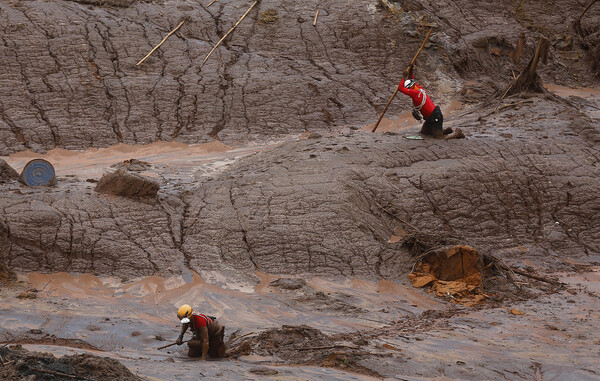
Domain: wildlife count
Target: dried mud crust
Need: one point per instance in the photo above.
(20, 364)
(71, 78)
(322, 207)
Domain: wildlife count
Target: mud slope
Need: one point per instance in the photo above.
(70, 78)
(322, 207)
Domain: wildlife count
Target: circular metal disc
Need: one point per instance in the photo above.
(38, 172)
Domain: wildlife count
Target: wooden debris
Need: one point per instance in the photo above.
(532, 276)
(316, 16)
(520, 45)
(577, 23)
(327, 347)
(211, 3)
(54, 373)
(528, 79)
(162, 42)
(227, 34)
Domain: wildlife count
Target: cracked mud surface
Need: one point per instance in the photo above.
(278, 211)
(70, 79)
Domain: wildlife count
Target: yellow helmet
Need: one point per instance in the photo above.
(184, 311)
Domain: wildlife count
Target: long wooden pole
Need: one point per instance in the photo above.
(227, 34)
(396, 92)
(163, 40)
(169, 345)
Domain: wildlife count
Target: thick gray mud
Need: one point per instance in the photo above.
(278, 210)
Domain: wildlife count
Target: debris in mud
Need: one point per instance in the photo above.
(263, 371)
(107, 3)
(456, 273)
(133, 165)
(457, 134)
(6, 274)
(288, 283)
(268, 17)
(123, 183)
(29, 294)
(302, 345)
(7, 173)
(528, 79)
(20, 364)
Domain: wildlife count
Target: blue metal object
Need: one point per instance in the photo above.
(38, 172)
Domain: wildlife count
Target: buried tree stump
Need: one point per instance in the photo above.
(528, 79)
(456, 272)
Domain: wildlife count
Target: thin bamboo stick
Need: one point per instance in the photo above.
(227, 34)
(163, 40)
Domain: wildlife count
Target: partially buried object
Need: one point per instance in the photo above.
(38, 172)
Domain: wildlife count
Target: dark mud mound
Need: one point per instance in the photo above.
(126, 184)
(19, 364)
(303, 345)
(7, 173)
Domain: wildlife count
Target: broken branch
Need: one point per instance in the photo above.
(211, 3)
(227, 34)
(327, 347)
(532, 276)
(54, 373)
(163, 40)
(316, 16)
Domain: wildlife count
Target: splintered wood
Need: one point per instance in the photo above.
(528, 79)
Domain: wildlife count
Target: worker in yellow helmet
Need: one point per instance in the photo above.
(207, 333)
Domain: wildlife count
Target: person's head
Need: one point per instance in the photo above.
(410, 83)
(184, 313)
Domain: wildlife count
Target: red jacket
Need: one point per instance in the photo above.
(199, 320)
(420, 98)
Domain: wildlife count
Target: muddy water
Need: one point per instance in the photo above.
(128, 321)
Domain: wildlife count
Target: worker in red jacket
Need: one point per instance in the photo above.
(208, 333)
(423, 105)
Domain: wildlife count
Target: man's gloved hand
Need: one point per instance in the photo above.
(408, 72)
(179, 340)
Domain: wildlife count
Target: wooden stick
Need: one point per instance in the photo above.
(211, 3)
(54, 373)
(316, 16)
(326, 347)
(588, 6)
(163, 40)
(170, 345)
(396, 92)
(532, 276)
(384, 110)
(227, 34)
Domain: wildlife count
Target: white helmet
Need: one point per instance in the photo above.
(409, 83)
